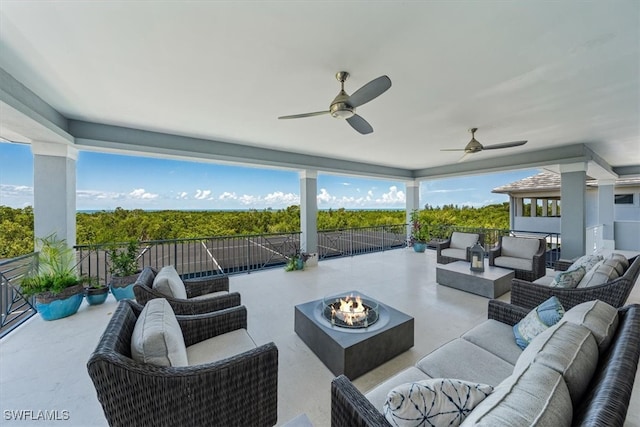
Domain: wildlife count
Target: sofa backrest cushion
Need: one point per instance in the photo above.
(536, 395)
(616, 264)
(600, 274)
(168, 283)
(438, 401)
(569, 349)
(463, 240)
(519, 247)
(157, 338)
(623, 259)
(597, 316)
(537, 320)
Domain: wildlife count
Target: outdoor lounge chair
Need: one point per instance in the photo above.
(456, 247)
(239, 387)
(204, 294)
(526, 256)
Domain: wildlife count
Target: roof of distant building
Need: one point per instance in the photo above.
(551, 181)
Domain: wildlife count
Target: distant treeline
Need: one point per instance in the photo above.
(121, 225)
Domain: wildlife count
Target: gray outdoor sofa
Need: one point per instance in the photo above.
(599, 375)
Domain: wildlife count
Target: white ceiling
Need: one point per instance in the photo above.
(553, 73)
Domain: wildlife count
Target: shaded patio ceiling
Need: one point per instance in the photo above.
(207, 81)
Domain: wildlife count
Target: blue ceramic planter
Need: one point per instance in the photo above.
(59, 308)
(419, 247)
(125, 292)
(96, 296)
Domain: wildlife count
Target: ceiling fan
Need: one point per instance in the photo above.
(344, 106)
(475, 147)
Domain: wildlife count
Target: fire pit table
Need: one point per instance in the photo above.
(352, 333)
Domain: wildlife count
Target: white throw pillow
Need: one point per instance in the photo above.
(434, 402)
(168, 283)
(157, 338)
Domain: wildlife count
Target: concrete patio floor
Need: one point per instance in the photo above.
(43, 364)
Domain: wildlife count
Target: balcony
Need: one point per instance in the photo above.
(43, 364)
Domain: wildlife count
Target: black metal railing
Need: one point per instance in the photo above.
(195, 257)
(16, 308)
(361, 240)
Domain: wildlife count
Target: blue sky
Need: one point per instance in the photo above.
(106, 181)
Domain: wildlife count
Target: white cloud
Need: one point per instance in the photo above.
(392, 197)
(346, 184)
(99, 195)
(247, 200)
(140, 193)
(281, 198)
(8, 190)
(182, 195)
(452, 190)
(325, 197)
(227, 196)
(202, 194)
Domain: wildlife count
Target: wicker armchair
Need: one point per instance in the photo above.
(460, 241)
(538, 265)
(239, 390)
(615, 292)
(144, 291)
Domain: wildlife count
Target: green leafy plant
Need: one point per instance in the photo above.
(124, 261)
(292, 264)
(419, 232)
(53, 270)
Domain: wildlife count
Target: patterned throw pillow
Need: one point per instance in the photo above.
(538, 320)
(586, 261)
(569, 278)
(434, 402)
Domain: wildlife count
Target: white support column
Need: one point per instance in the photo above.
(309, 215)
(54, 190)
(572, 220)
(412, 201)
(534, 208)
(606, 201)
(545, 207)
(519, 201)
(554, 207)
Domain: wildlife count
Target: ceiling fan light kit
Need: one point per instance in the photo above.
(344, 106)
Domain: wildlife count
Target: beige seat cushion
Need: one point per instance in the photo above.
(537, 395)
(569, 349)
(157, 338)
(497, 338)
(220, 347)
(168, 283)
(211, 295)
(460, 254)
(378, 395)
(525, 264)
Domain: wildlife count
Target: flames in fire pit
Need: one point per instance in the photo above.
(350, 312)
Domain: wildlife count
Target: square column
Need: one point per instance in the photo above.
(54, 190)
(572, 219)
(309, 214)
(606, 201)
(412, 202)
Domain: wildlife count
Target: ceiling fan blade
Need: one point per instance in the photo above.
(463, 158)
(360, 124)
(371, 90)
(504, 145)
(452, 149)
(299, 116)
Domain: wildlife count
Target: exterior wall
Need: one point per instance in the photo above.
(539, 223)
(627, 235)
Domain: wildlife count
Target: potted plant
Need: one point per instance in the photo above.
(53, 280)
(124, 270)
(296, 262)
(95, 292)
(419, 233)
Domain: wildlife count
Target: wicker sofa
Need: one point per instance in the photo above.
(239, 389)
(487, 354)
(614, 292)
(456, 247)
(526, 256)
(204, 294)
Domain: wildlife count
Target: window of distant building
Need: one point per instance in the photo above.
(623, 199)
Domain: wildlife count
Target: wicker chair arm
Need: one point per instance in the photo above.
(240, 390)
(196, 328)
(493, 254)
(506, 313)
(206, 285)
(350, 408)
(562, 264)
(181, 306)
